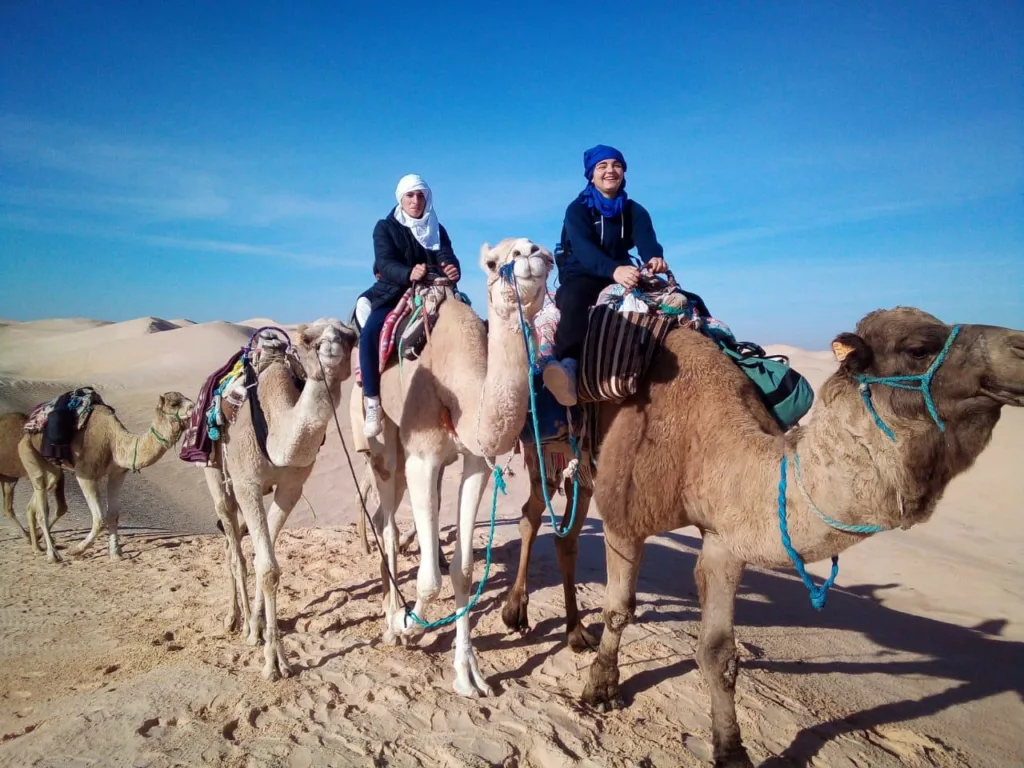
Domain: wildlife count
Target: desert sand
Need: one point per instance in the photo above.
(917, 660)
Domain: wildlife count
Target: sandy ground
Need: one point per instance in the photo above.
(918, 658)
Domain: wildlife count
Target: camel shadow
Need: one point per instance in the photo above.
(974, 662)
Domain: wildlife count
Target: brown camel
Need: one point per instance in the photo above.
(240, 474)
(475, 379)
(103, 449)
(12, 430)
(871, 455)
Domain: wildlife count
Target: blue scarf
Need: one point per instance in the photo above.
(598, 202)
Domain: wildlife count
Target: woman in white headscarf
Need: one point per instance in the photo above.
(406, 243)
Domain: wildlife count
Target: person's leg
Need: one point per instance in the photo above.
(574, 299)
(369, 369)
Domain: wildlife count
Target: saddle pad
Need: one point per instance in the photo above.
(618, 350)
(79, 400)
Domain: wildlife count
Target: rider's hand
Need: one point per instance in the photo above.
(451, 272)
(628, 277)
(657, 266)
(418, 273)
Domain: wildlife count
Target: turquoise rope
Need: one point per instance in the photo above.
(839, 526)
(499, 485)
(506, 273)
(922, 383)
(818, 594)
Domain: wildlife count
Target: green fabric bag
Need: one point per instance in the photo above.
(787, 395)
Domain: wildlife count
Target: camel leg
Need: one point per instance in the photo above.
(114, 483)
(58, 493)
(421, 476)
(408, 538)
(468, 680)
(718, 576)
(268, 574)
(623, 555)
(227, 513)
(8, 488)
(515, 613)
(567, 550)
(389, 478)
(90, 489)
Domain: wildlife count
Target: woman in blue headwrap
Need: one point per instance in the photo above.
(601, 225)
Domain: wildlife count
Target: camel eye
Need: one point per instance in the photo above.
(492, 264)
(516, 254)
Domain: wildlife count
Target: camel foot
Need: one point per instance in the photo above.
(232, 622)
(406, 627)
(602, 690)
(390, 638)
(53, 557)
(580, 640)
(515, 614)
(468, 680)
(255, 636)
(276, 666)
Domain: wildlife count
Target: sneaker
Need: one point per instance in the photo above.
(371, 417)
(560, 380)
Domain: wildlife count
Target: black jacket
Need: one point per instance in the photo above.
(594, 245)
(395, 253)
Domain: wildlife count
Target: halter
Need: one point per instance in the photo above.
(921, 382)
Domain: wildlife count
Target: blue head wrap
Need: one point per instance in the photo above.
(593, 198)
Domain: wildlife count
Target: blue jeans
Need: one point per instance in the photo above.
(369, 351)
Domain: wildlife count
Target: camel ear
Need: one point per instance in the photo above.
(299, 335)
(852, 352)
(163, 401)
(487, 258)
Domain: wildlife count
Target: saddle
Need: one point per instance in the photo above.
(59, 420)
(408, 325)
(228, 388)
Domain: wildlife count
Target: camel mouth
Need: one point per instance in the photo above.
(1005, 395)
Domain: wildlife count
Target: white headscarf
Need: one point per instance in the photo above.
(425, 229)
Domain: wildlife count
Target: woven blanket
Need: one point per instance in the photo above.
(79, 400)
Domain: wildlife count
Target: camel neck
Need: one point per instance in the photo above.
(297, 421)
(136, 452)
(490, 394)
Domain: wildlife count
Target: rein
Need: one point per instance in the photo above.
(507, 274)
(919, 382)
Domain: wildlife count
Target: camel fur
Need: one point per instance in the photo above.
(239, 475)
(103, 449)
(478, 378)
(12, 430)
(695, 446)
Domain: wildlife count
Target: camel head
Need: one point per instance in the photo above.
(325, 346)
(933, 390)
(172, 414)
(516, 265)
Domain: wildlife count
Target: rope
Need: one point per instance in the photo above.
(507, 274)
(818, 594)
(921, 382)
(839, 526)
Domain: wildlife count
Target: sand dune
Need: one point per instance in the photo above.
(916, 661)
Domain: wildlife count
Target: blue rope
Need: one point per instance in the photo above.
(818, 594)
(839, 526)
(507, 274)
(920, 383)
(499, 485)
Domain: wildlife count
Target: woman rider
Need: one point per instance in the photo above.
(405, 243)
(601, 225)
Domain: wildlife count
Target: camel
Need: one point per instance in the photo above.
(240, 474)
(12, 430)
(104, 449)
(873, 456)
(476, 379)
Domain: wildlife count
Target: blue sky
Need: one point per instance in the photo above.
(804, 163)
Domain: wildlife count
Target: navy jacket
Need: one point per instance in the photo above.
(395, 252)
(595, 246)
